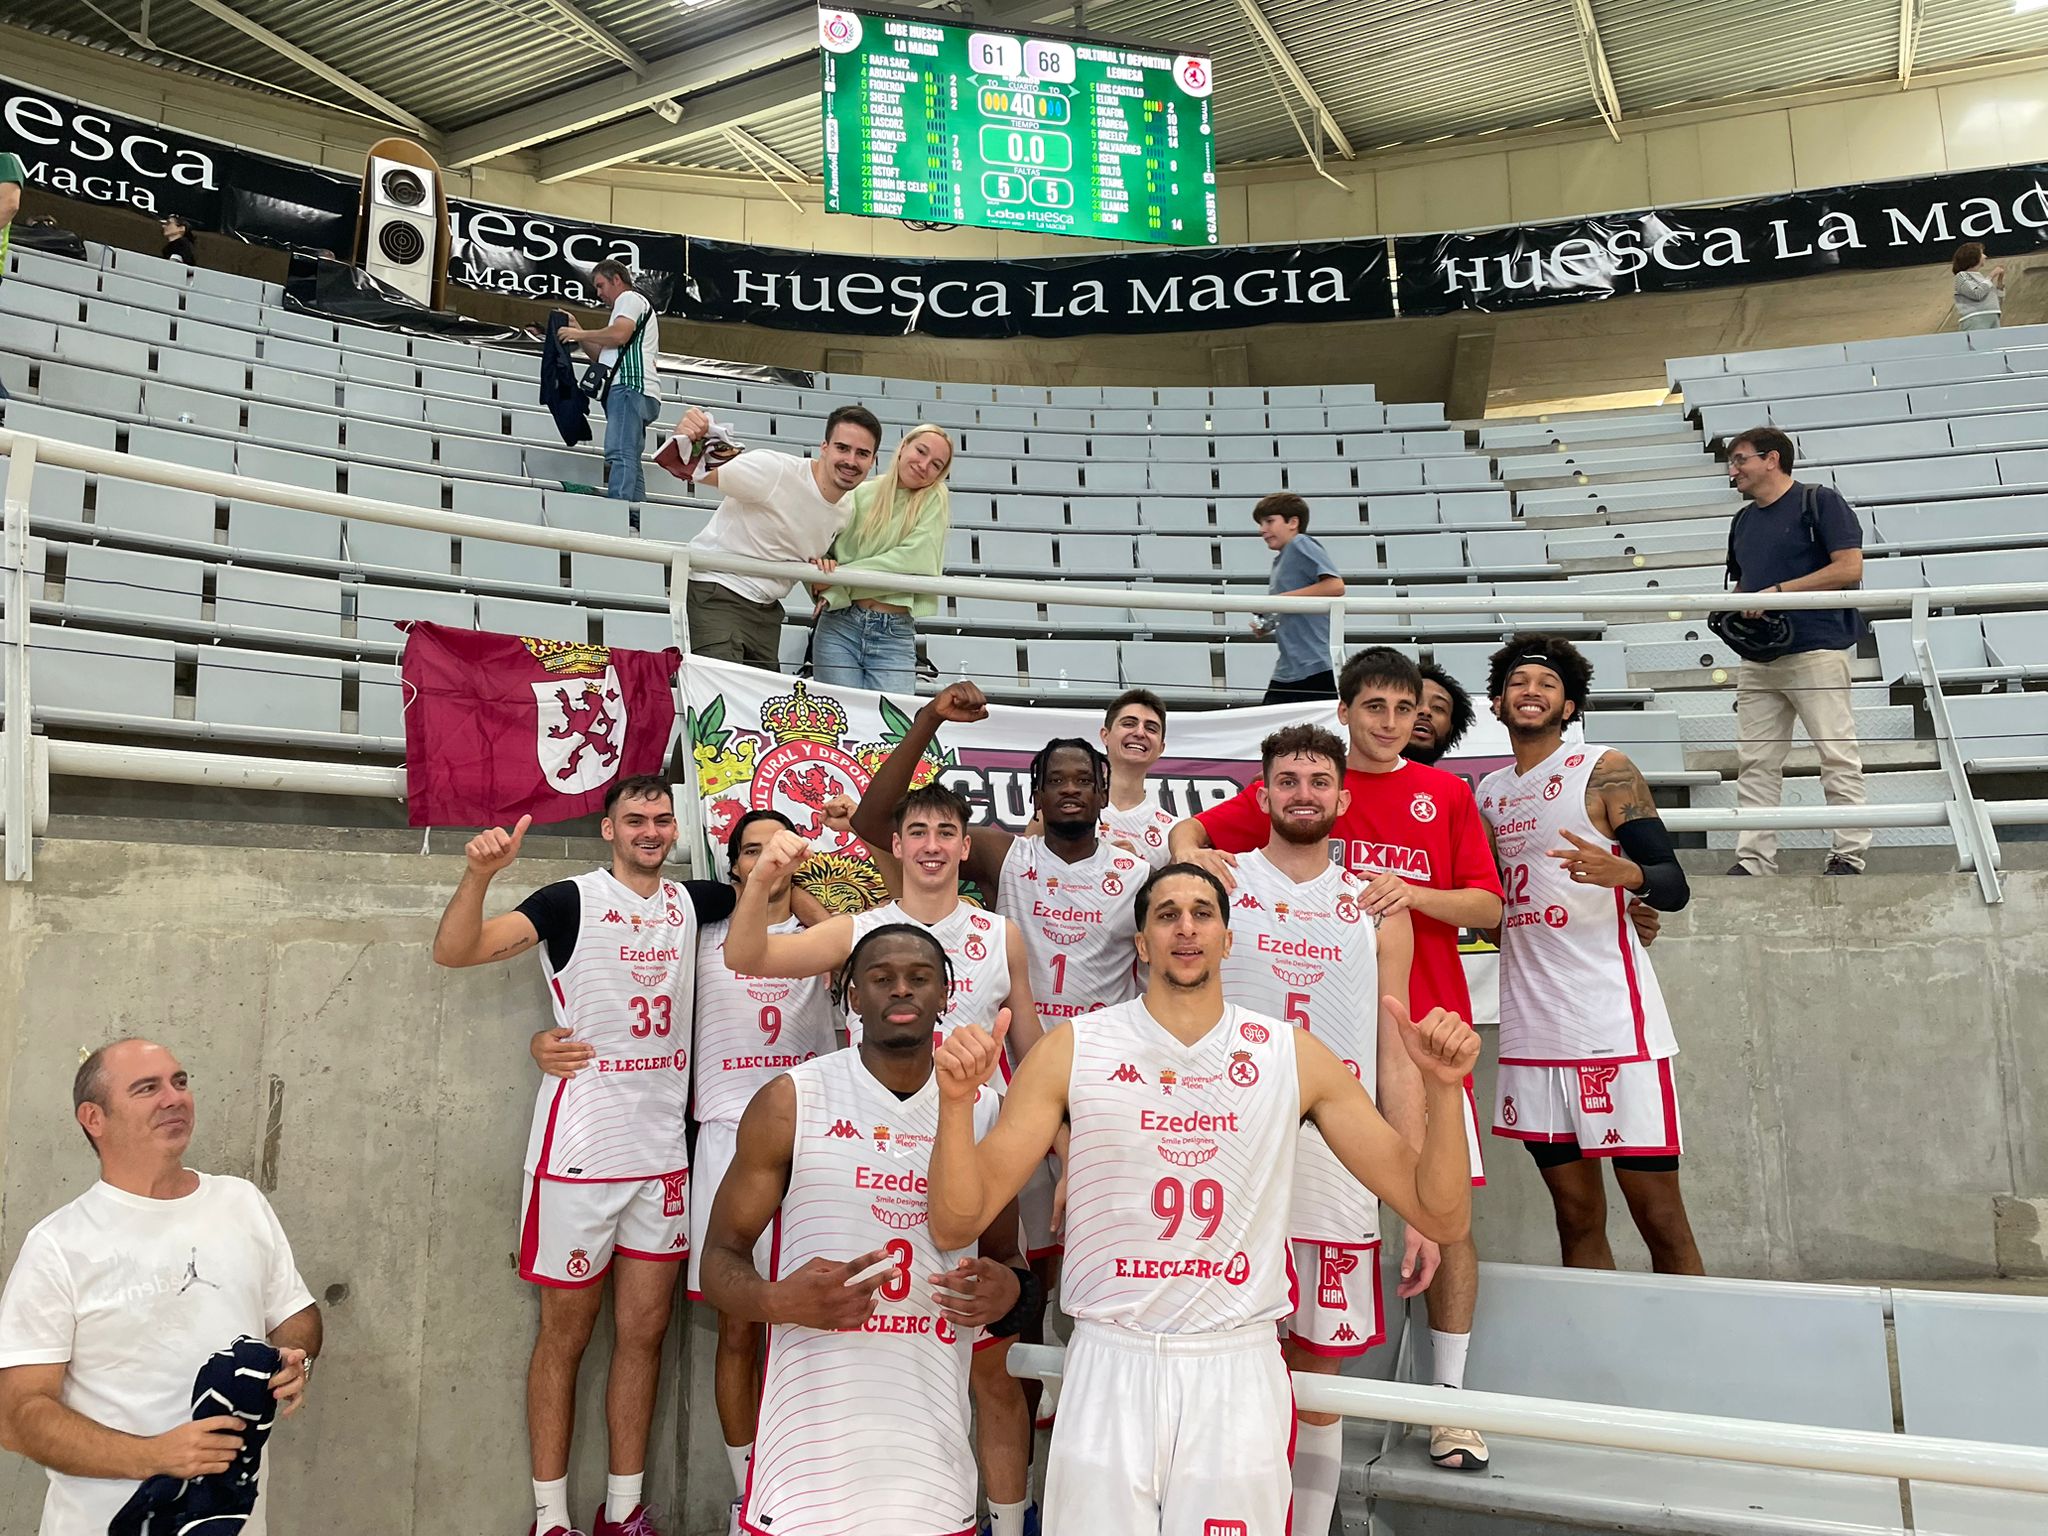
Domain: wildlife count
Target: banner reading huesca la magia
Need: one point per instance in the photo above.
(83, 152)
(762, 741)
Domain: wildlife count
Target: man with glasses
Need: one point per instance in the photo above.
(1795, 538)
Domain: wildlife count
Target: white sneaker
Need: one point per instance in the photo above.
(732, 1524)
(1457, 1450)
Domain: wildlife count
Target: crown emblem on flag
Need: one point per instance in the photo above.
(566, 657)
(797, 716)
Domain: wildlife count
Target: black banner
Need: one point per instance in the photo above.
(537, 256)
(1180, 290)
(1882, 224)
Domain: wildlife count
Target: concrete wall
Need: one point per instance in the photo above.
(1865, 1071)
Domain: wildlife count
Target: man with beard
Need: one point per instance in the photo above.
(864, 1410)
(1585, 1041)
(607, 1169)
(1441, 719)
(1304, 951)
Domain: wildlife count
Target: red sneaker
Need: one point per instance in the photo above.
(553, 1530)
(638, 1523)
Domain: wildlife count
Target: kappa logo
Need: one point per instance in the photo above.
(1611, 1139)
(844, 1130)
(1126, 1073)
(1595, 1097)
(1423, 806)
(1257, 1034)
(1243, 1070)
(1509, 1115)
(1575, 759)
(674, 1191)
(615, 916)
(1250, 902)
(1031, 874)
(1345, 1334)
(1336, 1264)
(579, 1264)
(681, 1240)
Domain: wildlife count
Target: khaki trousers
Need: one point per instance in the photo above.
(1812, 687)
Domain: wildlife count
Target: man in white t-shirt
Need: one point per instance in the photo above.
(118, 1299)
(776, 507)
(628, 344)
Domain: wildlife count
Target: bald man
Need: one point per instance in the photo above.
(121, 1296)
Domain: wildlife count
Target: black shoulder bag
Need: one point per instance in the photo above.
(1768, 635)
(597, 378)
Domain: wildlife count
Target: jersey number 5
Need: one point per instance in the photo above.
(650, 1016)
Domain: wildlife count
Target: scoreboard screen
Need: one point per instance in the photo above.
(940, 120)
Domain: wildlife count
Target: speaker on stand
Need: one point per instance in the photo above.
(402, 233)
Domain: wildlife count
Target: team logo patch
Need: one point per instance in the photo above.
(1167, 1079)
(1595, 1092)
(1423, 806)
(976, 950)
(1555, 787)
(1509, 1115)
(1575, 759)
(1243, 1070)
(579, 1264)
(1152, 837)
(1238, 1270)
(1556, 917)
(881, 1138)
(680, 1240)
(1250, 902)
(580, 730)
(682, 1060)
(1347, 910)
(1336, 1264)
(614, 916)
(1111, 886)
(674, 1191)
(1258, 1034)
(1225, 1528)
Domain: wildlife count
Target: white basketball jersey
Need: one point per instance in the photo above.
(626, 992)
(1077, 925)
(1305, 953)
(975, 941)
(1179, 1171)
(1575, 984)
(1144, 826)
(865, 1431)
(749, 1028)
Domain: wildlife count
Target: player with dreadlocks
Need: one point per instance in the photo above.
(864, 1409)
(1069, 889)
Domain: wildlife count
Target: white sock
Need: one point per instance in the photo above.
(1318, 1463)
(1450, 1350)
(550, 1505)
(621, 1494)
(1006, 1519)
(737, 1457)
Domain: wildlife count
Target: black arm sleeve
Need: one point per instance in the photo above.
(1646, 841)
(555, 912)
(712, 900)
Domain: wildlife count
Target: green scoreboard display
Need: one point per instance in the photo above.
(947, 122)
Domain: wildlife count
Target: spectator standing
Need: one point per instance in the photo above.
(1795, 538)
(178, 242)
(627, 345)
(896, 522)
(1980, 295)
(1301, 568)
(777, 507)
(119, 1298)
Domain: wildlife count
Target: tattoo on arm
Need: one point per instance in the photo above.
(1618, 792)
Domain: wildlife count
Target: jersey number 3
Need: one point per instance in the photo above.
(650, 1016)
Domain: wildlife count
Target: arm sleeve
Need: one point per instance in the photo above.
(1840, 527)
(712, 901)
(38, 1311)
(1320, 564)
(1238, 825)
(284, 1291)
(1472, 863)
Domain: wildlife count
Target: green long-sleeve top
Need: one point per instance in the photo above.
(921, 553)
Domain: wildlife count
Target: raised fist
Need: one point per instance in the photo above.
(960, 704)
(1442, 1045)
(967, 1058)
(785, 851)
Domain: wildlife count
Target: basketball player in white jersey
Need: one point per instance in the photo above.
(1186, 1112)
(864, 1421)
(607, 1168)
(1585, 1041)
(1303, 950)
(989, 973)
(1133, 735)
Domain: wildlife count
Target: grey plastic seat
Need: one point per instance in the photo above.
(216, 340)
(1115, 478)
(481, 416)
(125, 675)
(1083, 667)
(284, 385)
(113, 354)
(281, 466)
(637, 629)
(1247, 669)
(479, 455)
(493, 560)
(229, 284)
(1162, 514)
(377, 400)
(368, 338)
(380, 702)
(254, 525)
(989, 660)
(1971, 1368)
(398, 548)
(1245, 558)
(1321, 480)
(543, 621)
(255, 599)
(407, 487)
(1176, 555)
(1181, 478)
(1989, 726)
(65, 426)
(57, 306)
(167, 402)
(1957, 644)
(216, 310)
(1515, 546)
(613, 574)
(591, 514)
(1414, 552)
(508, 503)
(1379, 476)
(2011, 639)
(126, 322)
(180, 445)
(442, 353)
(379, 607)
(302, 356)
(382, 440)
(89, 390)
(374, 368)
(1028, 553)
(288, 426)
(1097, 557)
(57, 494)
(164, 511)
(1650, 737)
(1397, 513)
(672, 525)
(1176, 668)
(298, 325)
(268, 690)
(127, 582)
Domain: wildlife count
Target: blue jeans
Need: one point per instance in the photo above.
(627, 413)
(865, 648)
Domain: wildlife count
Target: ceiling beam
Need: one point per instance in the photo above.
(754, 149)
(1293, 72)
(695, 69)
(1911, 13)
(599, 34)
(1605, 97)
(716, 109)
(389, 109)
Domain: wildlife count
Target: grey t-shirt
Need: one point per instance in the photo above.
(1303, 638)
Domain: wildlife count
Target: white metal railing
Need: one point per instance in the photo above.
(1870, 1453)
(1971, 821)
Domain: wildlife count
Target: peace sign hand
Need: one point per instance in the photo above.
(1590, 864)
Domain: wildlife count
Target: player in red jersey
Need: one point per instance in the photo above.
(1415, 834)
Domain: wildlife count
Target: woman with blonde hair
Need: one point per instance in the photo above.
(867, 638)
(1980, 296)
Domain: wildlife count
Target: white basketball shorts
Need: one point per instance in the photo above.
(717, 1140)
(1610, 1108)
(1337, 1298)
(1182, 1434)
(570, 1231)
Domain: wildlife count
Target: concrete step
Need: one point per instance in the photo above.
(1884, 783)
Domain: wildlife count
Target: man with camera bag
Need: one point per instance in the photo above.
(621, 377)
(1792, 538)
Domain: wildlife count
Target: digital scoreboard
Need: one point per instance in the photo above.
(944, 121)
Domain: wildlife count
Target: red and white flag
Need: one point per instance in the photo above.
(498, 727)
